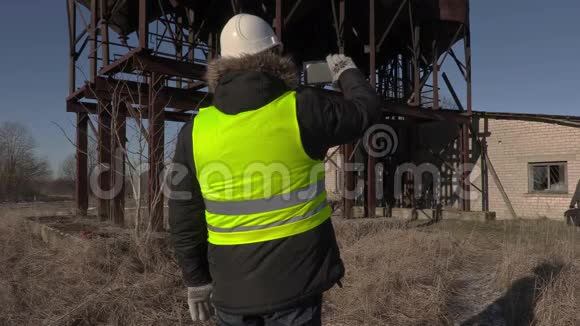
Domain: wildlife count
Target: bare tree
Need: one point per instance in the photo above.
(68, 169)
(20, 169)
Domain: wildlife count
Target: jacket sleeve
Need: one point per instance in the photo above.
(327, 120)
(187, 214)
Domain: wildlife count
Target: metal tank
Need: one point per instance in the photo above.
(310, 31)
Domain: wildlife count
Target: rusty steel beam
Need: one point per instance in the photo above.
(453, 93)
(72, 18)
(83, 33)
(347, 149)
(370, 201)
(91, 108)
(71, 22)
(279, 20)
(212, 47)
(337, 22)
(459, 64)
(468, 68)
(464, 202)
(118, 146)
(82, 172)
(435, 74)
(406, 77)
(179, 46)
(391, 23)
(432, 115)
(178, 98)
(457, 33)
(123, 64)
(104, 156)
(106, 89)
(142, 60)
(568, 121)
(466, 171)
(93, 39)
(104, 28)
(416, 67)
(170, 67)
(291, 13)
(465, 182)
(143, 25)
(196, 85)
(156, 151)
(343, 23)
(484, 168)
(405, 110)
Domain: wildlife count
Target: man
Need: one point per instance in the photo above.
(254, 234)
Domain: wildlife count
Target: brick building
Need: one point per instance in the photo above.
(537, 161)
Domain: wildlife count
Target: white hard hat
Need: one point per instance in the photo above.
(246, 34)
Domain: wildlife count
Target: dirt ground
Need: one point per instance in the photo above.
(450, 273)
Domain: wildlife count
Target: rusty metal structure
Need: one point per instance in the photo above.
(145, 59)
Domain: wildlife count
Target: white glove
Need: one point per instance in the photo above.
(338, 63)
(198, 300)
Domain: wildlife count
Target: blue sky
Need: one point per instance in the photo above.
(526, 57)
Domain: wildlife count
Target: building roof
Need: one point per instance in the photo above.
(565, 120)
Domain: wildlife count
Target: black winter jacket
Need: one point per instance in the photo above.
(265, 277)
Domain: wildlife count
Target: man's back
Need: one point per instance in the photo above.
(287, 270)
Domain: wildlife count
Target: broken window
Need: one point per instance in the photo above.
(548, 177)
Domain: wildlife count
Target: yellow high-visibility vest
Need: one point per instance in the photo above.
(257, 182)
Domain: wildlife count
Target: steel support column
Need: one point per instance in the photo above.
(347, 150)
(81, 181)
(466, 171)
(279, 20)
(406, 77)
(118, 145)
(179, 47)
(104, 153)
(371, 200)
(465, 182)
(435, 77)
(143, 26)
(72, 18)
(484, 171)
(156, 151)
(416, 101)
(212, 48)
(93, 40)
(104, 29)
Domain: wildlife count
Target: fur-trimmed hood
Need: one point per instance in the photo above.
(267, 62)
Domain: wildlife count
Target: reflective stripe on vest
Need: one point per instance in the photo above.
(257, 181)
(254, 206)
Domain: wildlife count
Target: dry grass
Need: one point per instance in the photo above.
(452, 273)
(458, 273)
(394, 277)
(121, 283)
